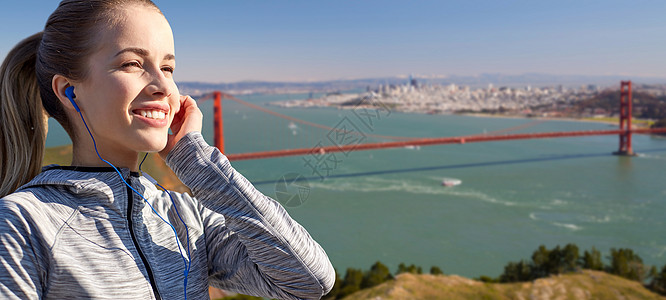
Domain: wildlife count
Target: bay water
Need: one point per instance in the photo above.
(389, 205)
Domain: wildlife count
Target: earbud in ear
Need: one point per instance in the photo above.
(69, 92)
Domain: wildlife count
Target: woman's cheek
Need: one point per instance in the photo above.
(175, 108)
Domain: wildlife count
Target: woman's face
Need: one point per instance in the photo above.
(129, 97)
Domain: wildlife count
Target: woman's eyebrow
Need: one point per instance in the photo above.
(138, 51)
(143, 52)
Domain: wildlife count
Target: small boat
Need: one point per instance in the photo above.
(451, 182)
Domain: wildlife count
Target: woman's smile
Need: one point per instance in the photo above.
(154, 114)
(129, 97)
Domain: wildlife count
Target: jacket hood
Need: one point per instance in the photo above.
(87, 180)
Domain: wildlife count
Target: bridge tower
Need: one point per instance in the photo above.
(625, 119)
(217, 115)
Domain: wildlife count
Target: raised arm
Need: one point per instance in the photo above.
(254, 246)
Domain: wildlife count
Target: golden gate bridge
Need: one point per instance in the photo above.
(624, 132)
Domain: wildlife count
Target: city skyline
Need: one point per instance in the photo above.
(317, 41)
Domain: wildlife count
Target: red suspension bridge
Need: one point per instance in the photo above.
(624, 132)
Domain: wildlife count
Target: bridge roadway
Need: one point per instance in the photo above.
(434, 141)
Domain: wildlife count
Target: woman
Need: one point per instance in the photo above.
(103, 69)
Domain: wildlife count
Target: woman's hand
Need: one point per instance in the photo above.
(188, 118)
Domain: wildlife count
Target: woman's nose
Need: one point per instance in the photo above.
(160, 85)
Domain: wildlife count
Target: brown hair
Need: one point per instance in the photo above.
(68, 39)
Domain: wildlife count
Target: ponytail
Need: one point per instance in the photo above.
(26, 93)
(23, 123)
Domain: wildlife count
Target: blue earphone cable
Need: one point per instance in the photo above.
(185, 261)
(187, 233)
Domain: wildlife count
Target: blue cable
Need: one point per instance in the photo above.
(187, 232)
(187, 265)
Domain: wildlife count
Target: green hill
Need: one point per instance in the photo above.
(583, 285)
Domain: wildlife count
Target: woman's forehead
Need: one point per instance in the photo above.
(139, 27)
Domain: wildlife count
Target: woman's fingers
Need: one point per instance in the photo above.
(188, 119)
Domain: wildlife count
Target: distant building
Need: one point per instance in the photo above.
(414, 83)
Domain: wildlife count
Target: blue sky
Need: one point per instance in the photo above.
(226, 41)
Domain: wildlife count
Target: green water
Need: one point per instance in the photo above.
(389, 205)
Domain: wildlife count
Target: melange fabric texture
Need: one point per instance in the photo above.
(81, 233)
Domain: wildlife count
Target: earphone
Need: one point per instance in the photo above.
(69, 92)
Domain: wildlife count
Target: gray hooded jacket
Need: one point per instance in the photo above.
(81, 233)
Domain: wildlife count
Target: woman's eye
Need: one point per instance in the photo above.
(168, 69)
(131, 64)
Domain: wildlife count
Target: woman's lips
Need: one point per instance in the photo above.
(152, 117)
(151, 113)
(155, 114)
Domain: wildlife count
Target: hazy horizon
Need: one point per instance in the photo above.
(439, 77)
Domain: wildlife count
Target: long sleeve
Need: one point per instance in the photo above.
(253, 245)
(20, 271)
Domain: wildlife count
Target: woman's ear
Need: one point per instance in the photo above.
(60, 84)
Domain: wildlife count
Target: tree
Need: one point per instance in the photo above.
(540, 260)
(402, 268)
(658, 283)
(351, 283)
(592, 260)
(378, 274)
(653, 273)
(554, 264)
(570, 258)
(660, 124)
(626, 264)
(435, 270)
(415, 269)
(517, 272)
(544, 263)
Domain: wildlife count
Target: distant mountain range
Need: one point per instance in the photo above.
(482, 80)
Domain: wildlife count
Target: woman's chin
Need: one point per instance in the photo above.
(153, 146)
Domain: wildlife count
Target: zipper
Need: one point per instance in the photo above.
(151, 277)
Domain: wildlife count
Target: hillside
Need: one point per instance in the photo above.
(584, 285)
(646, 105)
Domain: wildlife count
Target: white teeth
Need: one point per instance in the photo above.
(153, 114)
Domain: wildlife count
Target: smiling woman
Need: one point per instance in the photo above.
(129, 76)
(99, 228)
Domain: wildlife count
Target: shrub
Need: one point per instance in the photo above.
(378, 274)
(435, 270)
